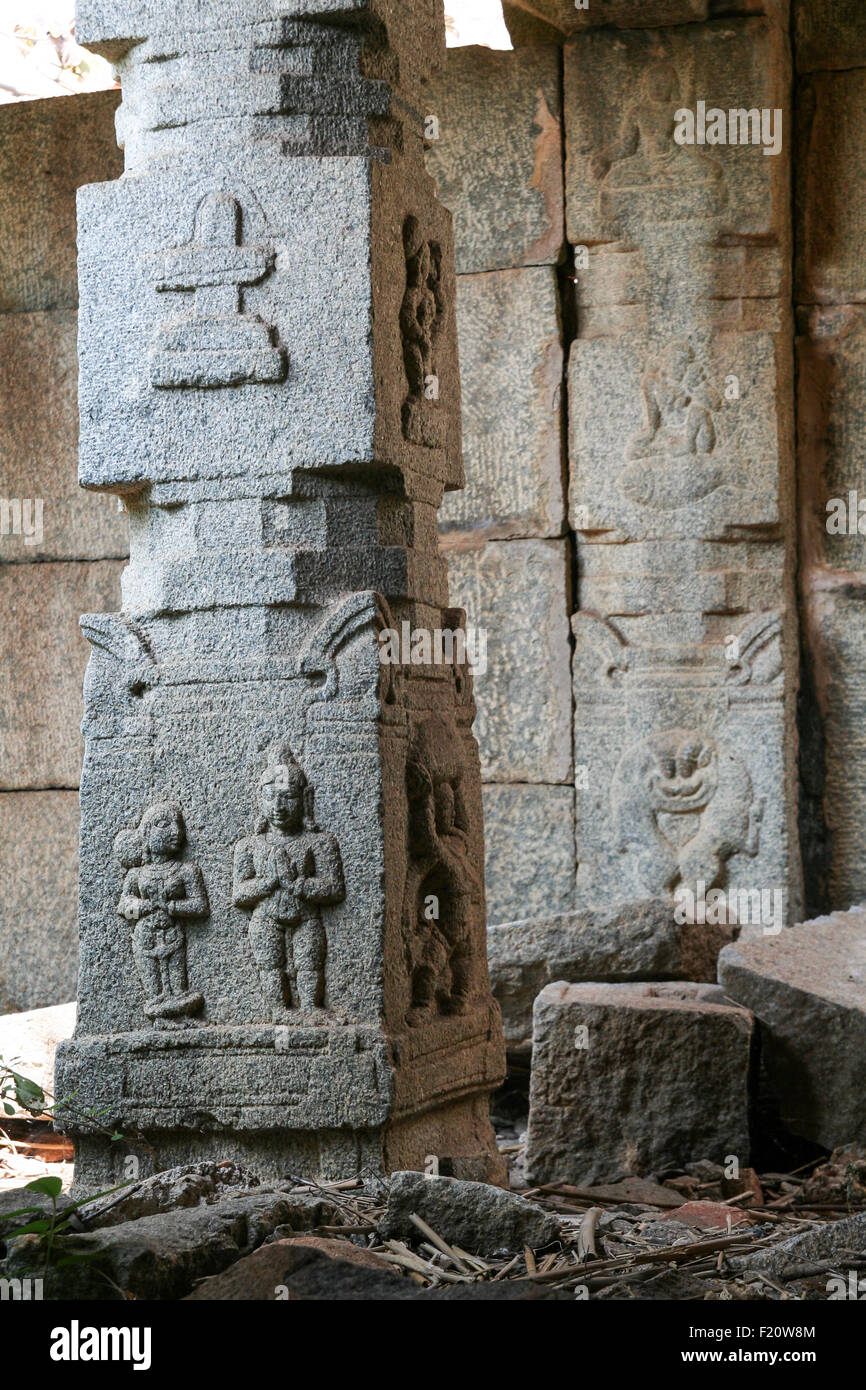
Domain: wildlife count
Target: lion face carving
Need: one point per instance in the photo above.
(681, 772)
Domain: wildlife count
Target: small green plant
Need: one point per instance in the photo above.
(33, 1098)
(56, 1222)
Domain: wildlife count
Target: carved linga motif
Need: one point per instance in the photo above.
(160, 893)
(442, 882)
(218, 344)
(682, 807)
(284, 874)
(422, 317)
(677, 462)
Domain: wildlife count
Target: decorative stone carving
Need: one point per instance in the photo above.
(284, 874)
(421, 323)
(160, 894)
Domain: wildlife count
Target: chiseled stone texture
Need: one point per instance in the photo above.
(831, 404)
(829, 34)
(42, 660)
(631, 941)
(39, 445)
(511, 362)
(518, 592)
(830, 184)
(630, 1078)
(807, 989)
(498, 160)
(62, 143)
(529, 850)
(38, 899)
(569, 16)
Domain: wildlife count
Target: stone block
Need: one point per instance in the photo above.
(628, 181)
(38, 899)
(498, 159)
(829, 34)
(529, 850)
(511, 362)
(525, 28)
(42, 667)
(806, 989)
(831, 409)
(518, 592)
(717, 469)
(831, 175)
(48, 149)
(39, 448)
(632, 941)
(570, 16)
(628, 1079)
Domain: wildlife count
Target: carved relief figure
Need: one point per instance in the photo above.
(645, 153)
(421, 322)
(442, 882)
(678, 443)
(160, 894)
(682, 807)
(285, 873)
(218, 344)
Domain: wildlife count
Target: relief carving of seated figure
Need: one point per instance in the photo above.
(645, 151)
(679, 400)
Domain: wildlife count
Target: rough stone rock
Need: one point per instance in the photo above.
(638, 940)
(568, 16)
(268, 806)
(806, 989)
(62, 143)
(830, 204)
(498, 160)
(624, 1081)
(270, 1273)
(834, 1240)
(529, 851)
(29, 1040)
(511, 372)
(518, 592)
(38, 897)
(39, 447)
(829, 34)
(40, 681)
(197, 1185)
(471, 1215)
(162, 1256)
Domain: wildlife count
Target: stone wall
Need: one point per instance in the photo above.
(60, 549)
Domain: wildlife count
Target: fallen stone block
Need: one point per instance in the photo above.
(198, 1185)
(632, 941)
(628, 1080)
(806, 989)
(471, 1215)
(270, 1273)
(836, 1239)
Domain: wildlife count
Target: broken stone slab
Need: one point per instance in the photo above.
(196, 1185)
(275, 1272)
(627, 1081)
(529, 851)
(829, 34)
(29, 1041)
(40, 682)
(509, 333)
(69, 140)
(49, 518)
(497, 156)
(162, 1256)
(639, 940)
(806, 989)
(519, 594)
(834, 1240)
(38, 897)
(474, 1216)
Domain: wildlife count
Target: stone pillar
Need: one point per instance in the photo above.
(681, 459)
(282, 901)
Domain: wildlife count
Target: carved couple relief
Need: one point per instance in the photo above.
(283, 874)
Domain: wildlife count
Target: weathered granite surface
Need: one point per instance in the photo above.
(632, 941)
(806, 989)
(511, 367)
(282, 907)
(497, 161)
(628, 1078)
(471, 1215)
(38, 866)
(571, 15)
(829, 34)
(529, 850)
(831, 168)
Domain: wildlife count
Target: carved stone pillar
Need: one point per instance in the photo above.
(282, 906)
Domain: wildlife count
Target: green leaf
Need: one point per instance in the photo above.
(52, 1187)
(33, 1228)
(10, 1109)
(29, 1096)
